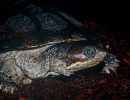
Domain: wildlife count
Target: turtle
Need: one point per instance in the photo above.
(40, 42)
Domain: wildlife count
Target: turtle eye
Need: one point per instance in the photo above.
(90, 51)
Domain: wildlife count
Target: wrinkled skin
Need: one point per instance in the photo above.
(23, 66)
(54, 47)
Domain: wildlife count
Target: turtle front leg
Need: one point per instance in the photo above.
(7, 84)
(111, 64)
(11, 75)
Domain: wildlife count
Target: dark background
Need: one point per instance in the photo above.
(114, 15)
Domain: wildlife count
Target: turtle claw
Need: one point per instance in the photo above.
(27, 81)
(109, 70)
(9, 89)
(111, 64)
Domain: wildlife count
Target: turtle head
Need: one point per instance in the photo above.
(84, 55)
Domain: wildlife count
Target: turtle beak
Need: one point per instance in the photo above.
(88, 63)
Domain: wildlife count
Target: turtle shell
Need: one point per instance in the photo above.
(36, 27)
(69, 47)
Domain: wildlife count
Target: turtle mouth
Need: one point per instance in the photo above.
(88, 63)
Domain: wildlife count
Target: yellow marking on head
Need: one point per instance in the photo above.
(89, 63)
